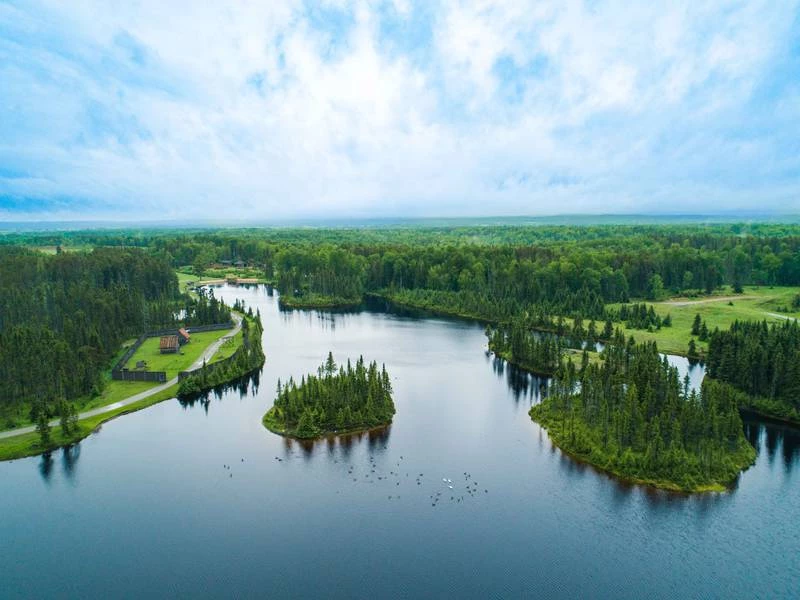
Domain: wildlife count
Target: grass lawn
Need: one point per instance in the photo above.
(755, 304)
(174, 363)
(184, 279)
(116, 391)
(228, 348)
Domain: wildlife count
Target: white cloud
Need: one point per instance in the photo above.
(260, 110)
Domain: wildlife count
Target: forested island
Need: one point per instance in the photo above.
(337, 400)
(630, 415)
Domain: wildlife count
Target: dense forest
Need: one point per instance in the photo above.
(762, 360)
(335, 400)
(64, 316)
(482, 270)
(631, 415)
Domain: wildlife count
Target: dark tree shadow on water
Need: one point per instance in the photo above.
(244, 386)
(376, 439)
(69, 460)
(46, 466)
(775, 438)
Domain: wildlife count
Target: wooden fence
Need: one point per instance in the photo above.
(120, 373)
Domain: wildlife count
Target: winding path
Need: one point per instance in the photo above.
(707, 300)
(206, 356)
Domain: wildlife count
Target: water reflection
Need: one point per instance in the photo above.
(46, 466)
(523, 385)
(69, 463)
(775, 438)
(69, 460)
(246, 385)
(375, 439)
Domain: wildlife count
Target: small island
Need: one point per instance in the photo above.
(337, 400)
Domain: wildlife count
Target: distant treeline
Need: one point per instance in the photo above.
(572, 270)
(64, 316)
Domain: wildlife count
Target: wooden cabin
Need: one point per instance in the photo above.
(183, 336)
(168, 344)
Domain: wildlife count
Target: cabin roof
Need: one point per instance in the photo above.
(168, 341)
(183, 333)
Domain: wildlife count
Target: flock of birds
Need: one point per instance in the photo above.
(228, 468)
(470, 487)
(452, 491)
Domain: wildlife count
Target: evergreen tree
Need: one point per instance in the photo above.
(352, 398)
(43, 428)
(696, 325)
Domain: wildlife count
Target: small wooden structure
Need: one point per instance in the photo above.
(183, 336)
(168, 344)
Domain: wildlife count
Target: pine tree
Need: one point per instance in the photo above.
(696, 325)
(43, 428)
(64, 421)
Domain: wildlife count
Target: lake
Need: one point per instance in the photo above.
(198, 499)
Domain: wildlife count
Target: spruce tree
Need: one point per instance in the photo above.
(696, 325)
(43, 428)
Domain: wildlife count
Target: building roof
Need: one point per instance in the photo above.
(183, 333)
(167, 342)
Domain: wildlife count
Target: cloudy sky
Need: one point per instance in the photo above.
(288, 109)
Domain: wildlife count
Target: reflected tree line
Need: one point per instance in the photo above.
(244, 386)
(376, 439)
(68, 458)
(775, 439)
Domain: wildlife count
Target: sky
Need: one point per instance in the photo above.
(286, 109)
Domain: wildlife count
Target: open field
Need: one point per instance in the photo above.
(720, 310)
(228, 347)
(174, 363)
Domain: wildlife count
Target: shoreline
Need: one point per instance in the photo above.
(321, 304)
(25, 441)
(28, 444)
(659, 484)
(266, 421)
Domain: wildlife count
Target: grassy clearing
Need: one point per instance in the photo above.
(275, 424)
(29, 444)
(174, 363)
(719, 310)
(228, 347)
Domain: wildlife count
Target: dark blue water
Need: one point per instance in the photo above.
(145, 508)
